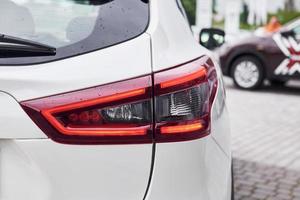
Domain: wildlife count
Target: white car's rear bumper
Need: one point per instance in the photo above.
(191, 170)
(44, 170)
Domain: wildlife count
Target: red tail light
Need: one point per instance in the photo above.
(122, 112)
(183, 99)
(115, 113)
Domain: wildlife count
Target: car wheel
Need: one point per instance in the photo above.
(247, 72)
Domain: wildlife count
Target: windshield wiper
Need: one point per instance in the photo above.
(17, 47)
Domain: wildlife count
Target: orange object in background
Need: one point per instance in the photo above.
(273, 26)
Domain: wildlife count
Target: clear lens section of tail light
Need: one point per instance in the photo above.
(183, 99)
(115, 113)
(124, 115)
(184, 105)
(130, 113)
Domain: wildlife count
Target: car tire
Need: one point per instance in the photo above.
(247, 73)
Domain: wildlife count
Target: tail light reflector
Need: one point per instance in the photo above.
(170, 105)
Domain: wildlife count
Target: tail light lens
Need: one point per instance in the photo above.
(183, 98)
(122, 112)
(110, 114)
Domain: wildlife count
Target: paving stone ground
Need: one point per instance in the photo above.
(255, 181)
(266, 141)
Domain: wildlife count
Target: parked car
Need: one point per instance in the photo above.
(109, 100)
(253, 59)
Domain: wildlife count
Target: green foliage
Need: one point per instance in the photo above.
(285, 16)
(218, 24)
(244, 14)
(246, 26)
(190, 8)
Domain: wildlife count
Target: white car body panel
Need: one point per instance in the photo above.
(193, 170)
(44, 170)
(40, 169)
(199, 169)
(14, 122)
(91, 69)
(171, 38)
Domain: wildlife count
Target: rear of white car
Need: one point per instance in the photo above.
(129, 107)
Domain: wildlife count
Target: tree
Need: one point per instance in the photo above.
(244, 14)
(290, 5)
(190, 8)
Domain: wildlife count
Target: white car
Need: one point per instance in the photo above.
(109, 99)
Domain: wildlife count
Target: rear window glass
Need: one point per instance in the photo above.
(74, 27)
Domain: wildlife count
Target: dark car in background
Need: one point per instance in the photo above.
(258, 57)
